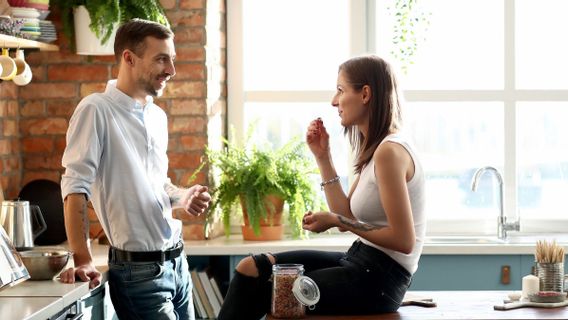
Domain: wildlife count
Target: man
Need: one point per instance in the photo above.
(116, 157)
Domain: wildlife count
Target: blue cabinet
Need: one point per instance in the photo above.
(471, 272)
(453, 271)
(467, 272)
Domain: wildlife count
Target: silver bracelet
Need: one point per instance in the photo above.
(332, 180)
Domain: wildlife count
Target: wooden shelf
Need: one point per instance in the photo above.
(7, 41)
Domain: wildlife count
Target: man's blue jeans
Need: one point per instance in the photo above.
(152, 290)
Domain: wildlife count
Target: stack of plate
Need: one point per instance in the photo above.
(31, 28)
(33, 14)
(22, 12)
(48, 33)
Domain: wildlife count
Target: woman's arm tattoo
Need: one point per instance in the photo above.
(356, 224)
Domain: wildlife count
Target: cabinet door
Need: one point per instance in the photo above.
(467, 272)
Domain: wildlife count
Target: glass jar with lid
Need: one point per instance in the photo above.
(292, 291)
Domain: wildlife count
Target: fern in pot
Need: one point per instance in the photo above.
(259, 181)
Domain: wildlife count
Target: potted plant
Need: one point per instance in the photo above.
(261, 180)
(106, 15)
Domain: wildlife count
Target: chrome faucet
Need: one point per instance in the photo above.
(502, 225)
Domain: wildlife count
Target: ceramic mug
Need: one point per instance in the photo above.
(8, 65)
(24, 72)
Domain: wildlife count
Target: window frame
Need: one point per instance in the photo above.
(362, 26)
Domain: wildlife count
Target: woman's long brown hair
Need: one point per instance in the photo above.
(384, 105)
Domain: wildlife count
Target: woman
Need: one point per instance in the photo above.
(384, 208)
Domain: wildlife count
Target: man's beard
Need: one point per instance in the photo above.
(150, 89)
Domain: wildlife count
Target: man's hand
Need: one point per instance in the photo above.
(86, 273)
(196, 200)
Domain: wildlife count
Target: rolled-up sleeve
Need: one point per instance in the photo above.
(83, 151)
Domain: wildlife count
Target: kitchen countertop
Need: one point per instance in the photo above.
(458, 305)
(42, 299)
(33, 300)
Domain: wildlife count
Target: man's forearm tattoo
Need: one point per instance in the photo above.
(85, 221)
(356, 224)
(173, 194)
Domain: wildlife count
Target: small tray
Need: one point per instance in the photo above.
(547, 297)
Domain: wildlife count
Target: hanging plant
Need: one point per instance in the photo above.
(409, 31)
(105, 14)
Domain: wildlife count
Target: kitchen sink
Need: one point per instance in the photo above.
(512, 239)
(463, 240)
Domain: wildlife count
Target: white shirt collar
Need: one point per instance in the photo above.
(123, 99)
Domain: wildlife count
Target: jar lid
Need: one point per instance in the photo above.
(306, 291)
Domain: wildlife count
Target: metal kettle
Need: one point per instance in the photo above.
(18, 219)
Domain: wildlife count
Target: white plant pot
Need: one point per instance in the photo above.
(86, 41)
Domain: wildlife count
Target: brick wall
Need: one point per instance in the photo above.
(34, 118)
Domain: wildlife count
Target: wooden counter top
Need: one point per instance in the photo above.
(458, 305)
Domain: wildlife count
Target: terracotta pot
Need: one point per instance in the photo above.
(271, 228)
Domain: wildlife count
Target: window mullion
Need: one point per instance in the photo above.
(510, 116)
(235, 70)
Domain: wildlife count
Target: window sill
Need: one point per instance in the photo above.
(234, 245)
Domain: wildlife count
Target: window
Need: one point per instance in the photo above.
(487, 86)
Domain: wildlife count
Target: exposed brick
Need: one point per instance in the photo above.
(184, 160)
(38, 74)
(8, 90)
(15, 146)
(194, 231)
(168, 4)
(190, 71)
(192, 4)
(191, 18)
(188, 125)
(193, 143)
(37, 145)
(11, 185)
(88, 88)
(90, 72)
(13, 108)
(187, 107)
(12, 163)
(60, 144)
(9, 128)
(32, 108)
(8, 108)
(39, 162)
(3, 107)
(61, 108)
(173, 143)
(48, 91)
(185, 89)
(44, 174)
(114, 72)
(43, 126)
(190, 54)
(62, 56)
(5, 146)
(108, 59)
(189, 35)
(41, 110)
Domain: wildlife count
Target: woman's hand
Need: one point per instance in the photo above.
(317, 139)
(319, 221)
